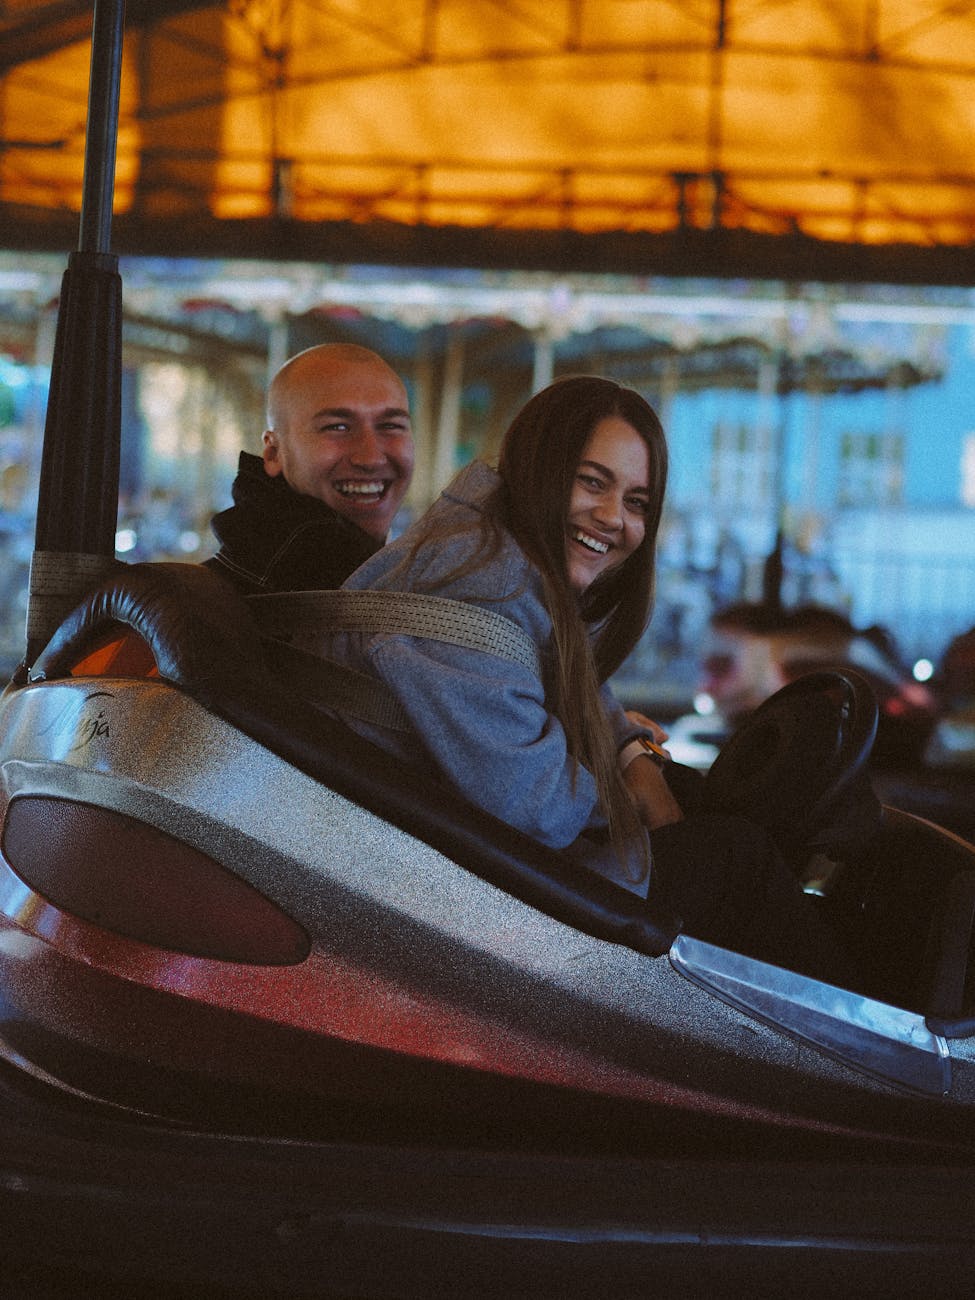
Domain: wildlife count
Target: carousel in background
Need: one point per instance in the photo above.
(743, 375)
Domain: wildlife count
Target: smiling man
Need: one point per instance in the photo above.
(337, 461)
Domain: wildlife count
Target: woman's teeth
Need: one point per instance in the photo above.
(590, 543)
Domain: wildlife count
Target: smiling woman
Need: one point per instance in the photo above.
(561, 541)
(609, 503)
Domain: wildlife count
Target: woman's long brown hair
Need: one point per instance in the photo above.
(539, 458)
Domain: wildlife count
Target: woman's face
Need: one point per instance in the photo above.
(609, 503)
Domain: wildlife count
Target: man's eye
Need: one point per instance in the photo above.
(333, 428)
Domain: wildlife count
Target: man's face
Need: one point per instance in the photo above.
(739, 671)
(343, 435)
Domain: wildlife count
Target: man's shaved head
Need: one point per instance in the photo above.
(339, 430)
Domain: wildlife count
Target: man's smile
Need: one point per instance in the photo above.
(360, 488)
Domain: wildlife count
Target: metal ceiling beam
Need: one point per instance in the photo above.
(50, 27)
(731, 254)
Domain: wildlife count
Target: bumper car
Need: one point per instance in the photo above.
(272, 917)
(231, 929)
(277, 1017)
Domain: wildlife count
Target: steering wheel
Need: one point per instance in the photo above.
(798, 765)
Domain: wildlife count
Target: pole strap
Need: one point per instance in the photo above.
(59, 580)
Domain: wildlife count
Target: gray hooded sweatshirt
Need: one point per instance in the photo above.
(478, 720)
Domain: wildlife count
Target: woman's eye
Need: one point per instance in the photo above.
(590, 481)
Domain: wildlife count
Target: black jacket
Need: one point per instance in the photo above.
(274, 539)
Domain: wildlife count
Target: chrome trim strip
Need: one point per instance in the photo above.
(883, 1041)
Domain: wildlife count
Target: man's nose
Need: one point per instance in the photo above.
(366, 448)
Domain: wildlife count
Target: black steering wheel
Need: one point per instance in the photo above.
(798, 765)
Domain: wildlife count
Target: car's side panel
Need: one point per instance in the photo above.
(417, 965)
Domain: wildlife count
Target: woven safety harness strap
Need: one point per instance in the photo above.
(337, 687)
(59, 580)
(294, 623)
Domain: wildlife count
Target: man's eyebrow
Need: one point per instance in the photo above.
(348, 413)
(608, 473)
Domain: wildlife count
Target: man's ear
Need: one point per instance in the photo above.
(272, 461)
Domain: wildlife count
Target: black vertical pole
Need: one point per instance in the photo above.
(773, 570)
(101, 135)
(77, 508)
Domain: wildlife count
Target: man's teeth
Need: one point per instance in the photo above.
(361, 489)
(590, 543)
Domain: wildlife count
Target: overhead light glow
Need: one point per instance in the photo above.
(923, 670)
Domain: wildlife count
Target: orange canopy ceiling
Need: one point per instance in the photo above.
(804, 138)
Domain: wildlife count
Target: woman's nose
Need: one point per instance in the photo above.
(609, 511)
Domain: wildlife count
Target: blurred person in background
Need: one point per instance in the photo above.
(753, 650)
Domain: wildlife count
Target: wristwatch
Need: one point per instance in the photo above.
(641, 745)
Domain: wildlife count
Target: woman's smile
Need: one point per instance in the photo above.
(609, 501)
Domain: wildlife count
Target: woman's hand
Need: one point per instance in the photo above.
(650, 792)
(648, 724)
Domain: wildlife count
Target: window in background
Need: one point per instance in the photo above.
(871, 470)
(742, 466)
(968, 470)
